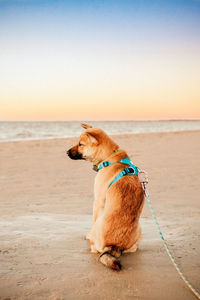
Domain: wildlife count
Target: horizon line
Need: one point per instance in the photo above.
(105, 120)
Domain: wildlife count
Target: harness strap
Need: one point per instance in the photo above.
(127, 171)
(132, 170)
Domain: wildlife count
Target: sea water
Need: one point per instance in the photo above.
(21, 131)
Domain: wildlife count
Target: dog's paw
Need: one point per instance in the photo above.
(93, 249)
(87, 237)
(132, 249)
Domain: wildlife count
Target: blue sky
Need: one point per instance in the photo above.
(130, 21)
(71, 43)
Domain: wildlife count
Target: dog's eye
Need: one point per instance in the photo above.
(80, 144)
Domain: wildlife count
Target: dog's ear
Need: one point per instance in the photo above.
(86, 126)
(92, 137)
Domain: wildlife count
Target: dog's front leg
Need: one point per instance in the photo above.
(98, 207)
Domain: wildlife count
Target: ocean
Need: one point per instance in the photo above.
(22, 131)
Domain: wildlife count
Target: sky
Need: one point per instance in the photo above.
(99, 60)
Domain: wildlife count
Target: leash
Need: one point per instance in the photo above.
(143, 177)
(144, 182)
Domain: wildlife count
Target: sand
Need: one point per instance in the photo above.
(46, 210)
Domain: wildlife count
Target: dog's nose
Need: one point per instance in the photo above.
(68, 152)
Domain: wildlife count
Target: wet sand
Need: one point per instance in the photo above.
(46, 210)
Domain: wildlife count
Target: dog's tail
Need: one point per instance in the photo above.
(109, 258)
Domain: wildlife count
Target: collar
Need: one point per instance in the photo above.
(96, 167)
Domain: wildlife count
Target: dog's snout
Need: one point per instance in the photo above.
(69, 153)
(74, 154)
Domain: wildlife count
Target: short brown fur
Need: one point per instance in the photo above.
(116, 209)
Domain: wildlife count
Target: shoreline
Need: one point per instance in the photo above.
(112, 135)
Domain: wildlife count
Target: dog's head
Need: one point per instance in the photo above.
(93, 145)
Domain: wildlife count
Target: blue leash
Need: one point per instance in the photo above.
(196, 293)
(133, 170)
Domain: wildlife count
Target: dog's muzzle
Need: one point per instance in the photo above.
(74, 154)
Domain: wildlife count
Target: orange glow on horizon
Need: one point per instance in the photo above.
(67, 87)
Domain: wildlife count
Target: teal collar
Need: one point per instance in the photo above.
(132, 170)
(96, 167)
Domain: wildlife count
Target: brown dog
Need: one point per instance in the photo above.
(116, 210)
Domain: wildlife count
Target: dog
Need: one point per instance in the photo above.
(117, 206)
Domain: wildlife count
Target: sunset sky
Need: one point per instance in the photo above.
(105, 60)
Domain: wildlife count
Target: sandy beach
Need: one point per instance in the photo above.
(46, 211)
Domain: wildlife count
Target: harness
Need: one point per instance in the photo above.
(132, 170)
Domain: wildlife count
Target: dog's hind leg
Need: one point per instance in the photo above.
(134, 247)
